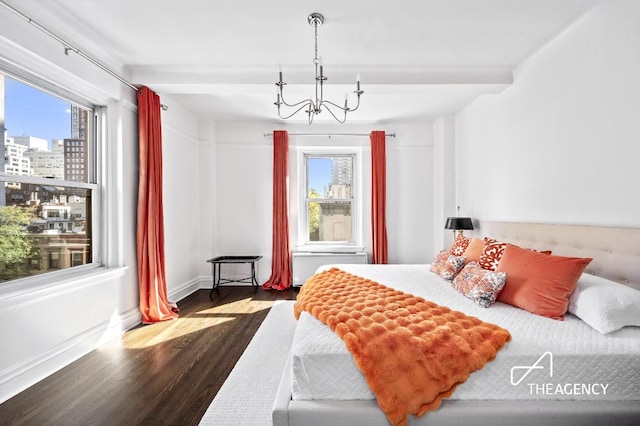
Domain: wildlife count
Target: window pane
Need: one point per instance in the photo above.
(43, 228)
(329, 221)
(43, 135)
(329, 177)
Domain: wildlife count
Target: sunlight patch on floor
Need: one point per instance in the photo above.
(242, 306)
(151, 335)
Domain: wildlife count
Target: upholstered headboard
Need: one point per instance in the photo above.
(615, 251)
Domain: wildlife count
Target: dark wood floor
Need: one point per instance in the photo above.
(160, 374)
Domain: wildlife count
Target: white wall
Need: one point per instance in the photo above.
(208, 198)
(244, 192)
(182, 152)
(444, 195)
(562, 144)
(410, 188)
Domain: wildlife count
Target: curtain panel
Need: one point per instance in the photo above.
(154, 303)
(281, 276)
(378, 197)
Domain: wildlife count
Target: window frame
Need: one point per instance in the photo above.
(96, 120)
(304, 243)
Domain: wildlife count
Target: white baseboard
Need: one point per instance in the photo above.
(185, 289)
(20, 378)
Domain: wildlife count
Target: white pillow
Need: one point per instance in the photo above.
(605, 305)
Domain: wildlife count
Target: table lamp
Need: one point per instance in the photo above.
(458, 225)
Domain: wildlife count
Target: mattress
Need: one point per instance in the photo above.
(545, 360)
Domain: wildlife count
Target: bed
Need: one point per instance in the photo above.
(574, 374)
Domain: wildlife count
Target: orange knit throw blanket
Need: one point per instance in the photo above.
(412, 352)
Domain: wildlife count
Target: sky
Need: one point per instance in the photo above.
(319, 173)
(32, 112)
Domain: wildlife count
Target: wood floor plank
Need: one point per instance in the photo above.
(160, 374)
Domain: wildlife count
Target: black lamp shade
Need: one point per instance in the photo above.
(457, 223)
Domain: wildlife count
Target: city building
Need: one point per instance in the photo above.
(47, 163)
(75, 160)
(16, 162)
(31, 142)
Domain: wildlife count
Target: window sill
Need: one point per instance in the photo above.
(328, 249)
(57, 282)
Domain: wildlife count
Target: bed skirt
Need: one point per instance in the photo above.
(287, 412)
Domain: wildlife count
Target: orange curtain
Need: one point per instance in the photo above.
(281, 255)
(378, 197)
(154, 303)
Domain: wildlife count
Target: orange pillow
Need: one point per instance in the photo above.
(538, 282)
(474, 250)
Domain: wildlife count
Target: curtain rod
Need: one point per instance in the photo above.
(70, 47)
(391, 135)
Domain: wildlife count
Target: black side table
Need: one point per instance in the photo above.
(216, 263)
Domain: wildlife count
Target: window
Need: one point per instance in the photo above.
(46, 212)
(329, 199)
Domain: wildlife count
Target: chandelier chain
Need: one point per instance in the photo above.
(315, 24)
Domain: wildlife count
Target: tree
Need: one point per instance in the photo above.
(314, 216)
(15, 245)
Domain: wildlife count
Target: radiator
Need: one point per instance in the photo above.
(305, 264)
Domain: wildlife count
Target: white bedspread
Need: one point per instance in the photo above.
(585, 363)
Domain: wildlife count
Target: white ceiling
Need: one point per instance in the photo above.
(418, 59)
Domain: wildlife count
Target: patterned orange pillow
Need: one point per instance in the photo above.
(491, 253)
(478, 284)
(447, 265)
(459, 245)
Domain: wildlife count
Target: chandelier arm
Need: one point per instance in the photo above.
(357, 105)
(305, 101)
(337, 106)
(333, 115)
(345, 109)
(295, 112)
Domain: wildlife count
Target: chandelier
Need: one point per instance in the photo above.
(315, 105)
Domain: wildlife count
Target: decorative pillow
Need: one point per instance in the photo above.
(447, 265)
(459, 245)
(491, 253)
(474, 250)
(538, 282)
(478, 284)
(605, 305)
(541, 251)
